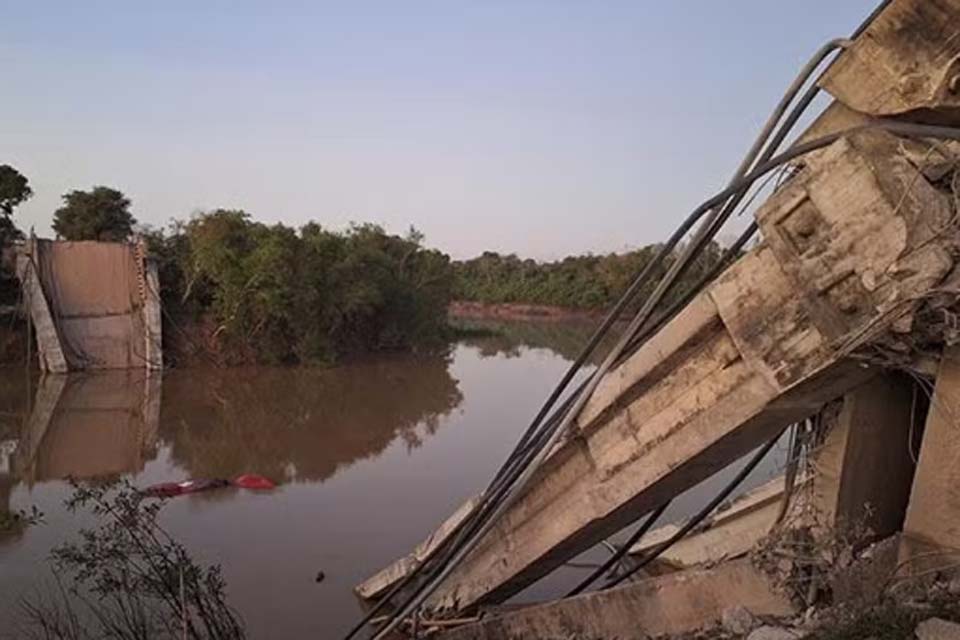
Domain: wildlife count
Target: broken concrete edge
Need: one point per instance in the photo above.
(671, 604)
(905, 61)
(730, 532)
(934, 497)
(734, 597)
(837, 304)
(49, 348)
(387, 578)
(152, 320)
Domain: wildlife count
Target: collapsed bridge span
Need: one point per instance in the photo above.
(856, 273)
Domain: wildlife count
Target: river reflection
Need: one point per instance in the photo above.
(302, 424)
(369, 458)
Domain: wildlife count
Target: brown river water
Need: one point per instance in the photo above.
(369, 458)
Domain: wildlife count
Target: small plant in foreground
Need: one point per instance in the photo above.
(127, 578)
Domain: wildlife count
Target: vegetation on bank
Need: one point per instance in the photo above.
(271, 293)
(14, 191)
(245, 291)
(576, 282)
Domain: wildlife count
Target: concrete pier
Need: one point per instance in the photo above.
(95, 305)
(932, 523)
(672, 604)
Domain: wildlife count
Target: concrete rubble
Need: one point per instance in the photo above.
(937, 629)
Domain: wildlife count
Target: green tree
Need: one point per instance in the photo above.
(14, 191)
(99, 214)
(578, 282)
(271, 293)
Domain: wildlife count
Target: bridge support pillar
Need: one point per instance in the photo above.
(932, 527)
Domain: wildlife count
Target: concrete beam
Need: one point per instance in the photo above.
(861, 478)
(49, 348)
(729, 533)
(906, 61)
(152, 322)
(384, 580)
(849, 244)
(672, 604)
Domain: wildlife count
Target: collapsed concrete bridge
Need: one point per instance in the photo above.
(94, 305)
(856, 275)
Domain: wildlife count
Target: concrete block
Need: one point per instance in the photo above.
(672, 604)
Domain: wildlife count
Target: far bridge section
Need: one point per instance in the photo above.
(94, 305)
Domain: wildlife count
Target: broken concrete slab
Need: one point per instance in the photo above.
(937, 629)
(730, 533)
(861, 482)
(907, 60)
(848, 247)
(384, 580)
(95, 305)
(49, 346)
(671, 604)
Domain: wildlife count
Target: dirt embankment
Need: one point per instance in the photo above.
(517, 311)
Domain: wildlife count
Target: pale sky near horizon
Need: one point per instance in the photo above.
(538, 128)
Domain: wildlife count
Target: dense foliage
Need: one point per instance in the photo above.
(276, 294)
(14, 191)
(579, 282)
(99, 214)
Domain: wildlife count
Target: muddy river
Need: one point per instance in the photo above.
(369, 457)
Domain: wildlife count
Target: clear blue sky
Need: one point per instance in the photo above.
(541, 128)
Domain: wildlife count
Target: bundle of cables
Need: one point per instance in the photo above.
(561, 408)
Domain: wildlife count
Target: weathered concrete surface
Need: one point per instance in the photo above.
(849, 245)
(152, 320)
(49, 347)
(730, 533)
(860, 481)
(863, 469)
(381, 582)
(907, 60)
(671, 604)
(933, 515)
(95, 305)
(937, 629)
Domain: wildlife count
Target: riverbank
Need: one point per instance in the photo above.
(516, 311)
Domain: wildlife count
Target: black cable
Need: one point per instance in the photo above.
(611, 317)
(547, 434)
(622, 551)
(614, 314)
(700, 515)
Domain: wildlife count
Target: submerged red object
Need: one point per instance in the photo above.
(172, 489)
(253, 481)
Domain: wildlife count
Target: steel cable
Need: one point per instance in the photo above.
(525, 470)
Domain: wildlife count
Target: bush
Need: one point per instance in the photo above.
(279, 295)
(578, 282)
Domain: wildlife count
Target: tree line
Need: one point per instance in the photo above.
(245, 291)
(586, 282)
